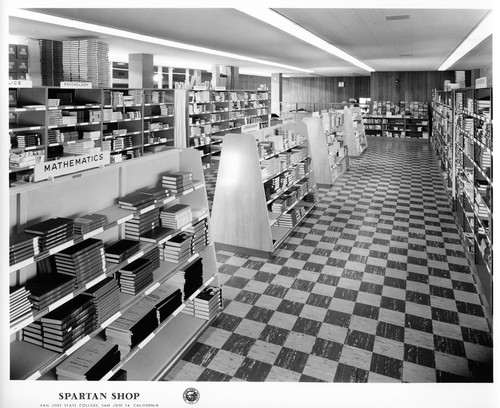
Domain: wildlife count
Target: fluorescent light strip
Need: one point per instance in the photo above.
(276, 20)
(483, 30)
(65, 22)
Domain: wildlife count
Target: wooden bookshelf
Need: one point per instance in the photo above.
(97, 191)
(329, 153)
(127, 123)
(242, 211)
(462, 138)
(354, 131)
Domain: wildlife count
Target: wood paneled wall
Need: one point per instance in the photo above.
(412, 85)
(253, 82)
(325, 89)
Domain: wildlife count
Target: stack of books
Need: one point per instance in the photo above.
(28, 140)
(22, 246)
(33, 333)
(135, 201)
(177, 181)
(106, 298)
(178, 249)
(156, 235)
(83, 261)
(134, 325)
(206, 304)
(167, 299)
(278, 206)
(67, 324)
(20, 306)
(142, 223)
(176, 216)
(135, 276)
(52, 232)
(121, 250)
(200, 240)
(158, 193)
(89, 222)
(45, 289)
(154, 256)
(90, 362)
(193, 278)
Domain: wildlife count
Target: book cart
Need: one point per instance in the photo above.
(98, 191)
(265, 187)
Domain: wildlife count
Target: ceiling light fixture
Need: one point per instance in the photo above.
(482, 31)
(65, 22)
(277, 20)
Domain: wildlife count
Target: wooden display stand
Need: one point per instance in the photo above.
(241, 218)
(97, 191)
(330, 159)
(354, 131)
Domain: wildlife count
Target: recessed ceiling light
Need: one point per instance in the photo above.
(275, 19)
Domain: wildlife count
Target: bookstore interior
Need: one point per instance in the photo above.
(188, 206)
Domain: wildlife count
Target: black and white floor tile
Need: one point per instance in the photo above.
(373, 286)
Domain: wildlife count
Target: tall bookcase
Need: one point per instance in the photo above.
(354, 131)
(46, 123)
(213, 113)
(397, 126)
(265, 187)
(97, 192)
(462, 138)
(329, 153)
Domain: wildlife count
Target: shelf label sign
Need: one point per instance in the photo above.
(68, 165)
(481, 82)
(251, 127)
(315, 115)
(79, 85)
(220, 88)
(288, 120)
(200, 88)
(20, 83)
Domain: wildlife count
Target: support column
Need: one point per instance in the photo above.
(140, 68)
(276, 93)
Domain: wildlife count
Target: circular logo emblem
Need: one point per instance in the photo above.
(191, 396)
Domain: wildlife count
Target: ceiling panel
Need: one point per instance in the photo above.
(421, 42)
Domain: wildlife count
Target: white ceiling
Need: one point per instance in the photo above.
(419, 43)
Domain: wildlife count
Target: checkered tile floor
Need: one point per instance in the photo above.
(373, 286)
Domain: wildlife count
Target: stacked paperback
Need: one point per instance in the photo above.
(176, 216)
(178, 249)
(199, 231)
(45, 289)
(178, 181)
(135, 201)
(121, 250)
(206, 304)
(167, 299)
(22, 246)
(134, 325)
(135, 276)
(20, 306)
(106, 298)
(64, 326)
(83, 261)
(90, 362)
(89, 222)
(142, 223)
(52, 232)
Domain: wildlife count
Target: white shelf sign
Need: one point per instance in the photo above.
(251, 127)
(288, 120)
(68, 165)
(481, 82)
(19, 83)
(79, 85)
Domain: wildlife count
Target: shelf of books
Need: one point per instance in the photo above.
(354, 131)
(265, 188)
(397, 126)
(103, 279)
(463, 135)
(214, 113)
(329, 153)
(47, 124)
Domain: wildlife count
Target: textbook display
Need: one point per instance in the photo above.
(52, 232)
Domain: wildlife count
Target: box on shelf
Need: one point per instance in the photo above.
(12, 51)
(21, 65)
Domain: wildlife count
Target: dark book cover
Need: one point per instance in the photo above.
(122, 246)
(68, 310)
(49, 226)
